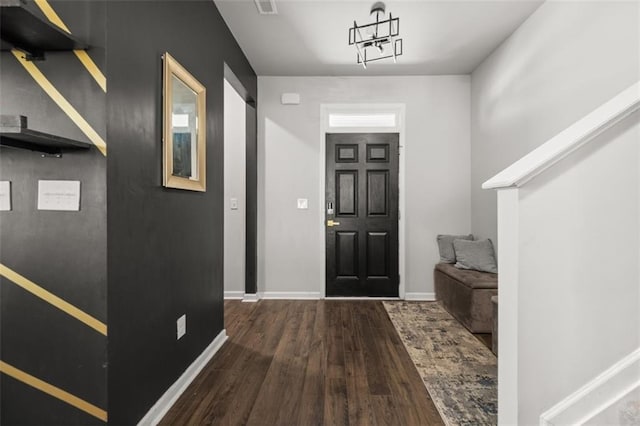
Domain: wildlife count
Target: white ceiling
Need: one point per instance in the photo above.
(310, 37)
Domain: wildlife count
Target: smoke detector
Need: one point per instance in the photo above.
(266, 7)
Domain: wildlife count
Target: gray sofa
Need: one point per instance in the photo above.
(466, 294)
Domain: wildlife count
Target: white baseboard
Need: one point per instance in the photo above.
(250, 297)
(314, 295)
(233, 294)
(361, 298)
(162, 406)
(427, 297)
(597, 395)
(291, 295)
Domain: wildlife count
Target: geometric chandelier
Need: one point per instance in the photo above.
(377, 40)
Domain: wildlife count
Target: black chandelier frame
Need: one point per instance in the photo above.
(363, 44)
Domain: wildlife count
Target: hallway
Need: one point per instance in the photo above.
(307, 363)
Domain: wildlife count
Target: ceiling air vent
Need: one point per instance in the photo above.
(266, 7)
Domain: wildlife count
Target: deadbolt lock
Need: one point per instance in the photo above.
(330, 208)
(331, 222)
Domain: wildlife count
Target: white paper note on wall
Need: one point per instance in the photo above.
(61, 195)
(5, 196)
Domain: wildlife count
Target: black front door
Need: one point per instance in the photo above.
(361, 214)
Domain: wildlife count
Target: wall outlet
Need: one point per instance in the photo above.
(303, 203)
(181, 326)
(234, 204)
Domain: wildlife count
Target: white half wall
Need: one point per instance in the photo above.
(437, 193)
(578, 279)
(622, 412)
(565, 60)
(234, 188)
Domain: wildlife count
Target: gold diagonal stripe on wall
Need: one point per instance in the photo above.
(57, 97)
(54, 391)
(82, 55)
(51, 15)
(54, 300)
(92, 68)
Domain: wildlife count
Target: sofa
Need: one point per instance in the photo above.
(466, 294)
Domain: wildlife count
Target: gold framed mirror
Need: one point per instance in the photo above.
(184, 128)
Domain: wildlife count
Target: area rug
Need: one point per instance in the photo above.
(459, 372)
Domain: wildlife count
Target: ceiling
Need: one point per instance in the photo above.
(310, 37)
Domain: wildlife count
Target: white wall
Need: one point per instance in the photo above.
(578, 273)
(622, 412)
(290, 246)
(563, 62)
(579, 292)
(234, 187)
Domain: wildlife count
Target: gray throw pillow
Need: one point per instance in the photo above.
(477, 255)
(445, 245)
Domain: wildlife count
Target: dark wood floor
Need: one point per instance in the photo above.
(307, 363)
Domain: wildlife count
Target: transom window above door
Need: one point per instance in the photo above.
(362, 120)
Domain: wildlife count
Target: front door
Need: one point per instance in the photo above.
(361, 214)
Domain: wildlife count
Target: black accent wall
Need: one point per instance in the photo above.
(63, 252)
(165, 246)
(137, 256)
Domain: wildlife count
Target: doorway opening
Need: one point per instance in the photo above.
(235, 218)
(362, 188)
(240, 190)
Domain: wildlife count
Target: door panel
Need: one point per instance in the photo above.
(377, 192)
(346, 153)
(347, 258)
(377, 153)
(362, 230)
(346, 187)
(377, 254)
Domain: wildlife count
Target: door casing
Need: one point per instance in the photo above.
(399, 110)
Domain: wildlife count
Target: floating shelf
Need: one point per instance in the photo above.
(14, 133)
(22, 29)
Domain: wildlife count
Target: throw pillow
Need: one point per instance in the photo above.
(445, 245)
(477, 255)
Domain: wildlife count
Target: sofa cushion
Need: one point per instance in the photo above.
(445, 246)
(477, 255)
(468, 277)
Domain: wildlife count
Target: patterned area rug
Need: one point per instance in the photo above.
(459, 372)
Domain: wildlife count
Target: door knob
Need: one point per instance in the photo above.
(331, 222)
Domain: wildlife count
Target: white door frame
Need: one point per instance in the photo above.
(363, 109)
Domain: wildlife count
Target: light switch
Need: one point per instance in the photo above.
(234, 204)
(303, 203)
(181, 326)
(5, 196)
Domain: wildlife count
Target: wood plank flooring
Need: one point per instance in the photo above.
(307, 363)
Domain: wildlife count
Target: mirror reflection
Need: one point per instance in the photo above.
(184, 128)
